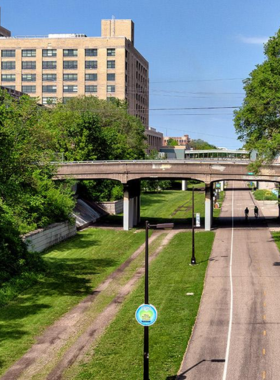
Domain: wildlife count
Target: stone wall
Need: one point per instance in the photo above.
(113, 208)
(41, 239)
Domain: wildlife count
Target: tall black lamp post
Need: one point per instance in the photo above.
(193, 260)
(146, 328)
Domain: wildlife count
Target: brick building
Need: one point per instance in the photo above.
(61, 66)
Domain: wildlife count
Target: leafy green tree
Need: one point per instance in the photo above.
(172, 142)
(155, 185)
(26, 149)
(28, 197)
(257, 122)
(92, 129)
(201, 145)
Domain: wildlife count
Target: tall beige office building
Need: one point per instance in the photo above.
(62, 66)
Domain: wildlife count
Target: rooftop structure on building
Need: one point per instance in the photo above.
(58, 67)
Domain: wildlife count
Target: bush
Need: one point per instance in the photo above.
(14, 257)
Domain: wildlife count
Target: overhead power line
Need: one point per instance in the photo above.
(193, 108)
(197, 80)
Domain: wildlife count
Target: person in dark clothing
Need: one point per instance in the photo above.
(246, 211)
(256, 211)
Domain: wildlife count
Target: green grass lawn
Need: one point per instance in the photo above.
(75, 268)
(264, 195)
(119, 353)
(276, 237)
(167, 206)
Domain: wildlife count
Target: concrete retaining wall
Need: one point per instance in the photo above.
(39, 240)
(113, 208)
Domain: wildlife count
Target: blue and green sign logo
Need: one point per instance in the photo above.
(146, 315)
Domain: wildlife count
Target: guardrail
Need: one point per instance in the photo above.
(199, 160)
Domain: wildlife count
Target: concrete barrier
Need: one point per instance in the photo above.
(113, 208)
(41, 239)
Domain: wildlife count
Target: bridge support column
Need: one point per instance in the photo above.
(131, 205)
(184, 185)
(208, 206)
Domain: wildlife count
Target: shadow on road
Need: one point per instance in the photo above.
(182, 376)
(238, 222)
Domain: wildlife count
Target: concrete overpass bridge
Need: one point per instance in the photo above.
(130, 173)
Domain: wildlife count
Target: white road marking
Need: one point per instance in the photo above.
(231, 294)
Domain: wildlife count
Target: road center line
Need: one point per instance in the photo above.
(231, 291)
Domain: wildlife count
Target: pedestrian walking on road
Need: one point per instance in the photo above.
(256, 211)
(246, 211)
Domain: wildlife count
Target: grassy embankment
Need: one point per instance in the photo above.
(74, 269)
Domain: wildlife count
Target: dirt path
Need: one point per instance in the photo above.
(42, 356)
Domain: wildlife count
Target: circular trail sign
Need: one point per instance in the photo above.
(146, 315)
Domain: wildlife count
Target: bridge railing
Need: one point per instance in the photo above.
(187, 161)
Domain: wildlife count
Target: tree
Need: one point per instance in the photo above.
(93, 129)
(257, 122)
(172, 142)
(89, 128)
(28, 197)
(201, 145)
(27, 191)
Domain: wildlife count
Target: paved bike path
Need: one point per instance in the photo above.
(253, 344)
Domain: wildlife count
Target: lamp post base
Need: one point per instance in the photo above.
(193, 261)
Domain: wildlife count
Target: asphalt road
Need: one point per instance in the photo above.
(237, 333)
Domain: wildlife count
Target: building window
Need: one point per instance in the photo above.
(91, 88)
(9, 86)
(90, 77)
(91, 52)
(49, 52)
(111, 64)
(49, 77)
(70, 88)
(70, 52)
(28, 53)
(70, 64)
(70, 77)
(8, 77)
(28, 89)
(28, 65)
(49, 88)
(10, 65)
(111, 52)
(91, 64)
(49, 100)
(28, 77)
(111, 77)
(8, 53)
(49, 65)
(111, 88)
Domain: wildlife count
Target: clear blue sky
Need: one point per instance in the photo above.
(198, 50)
